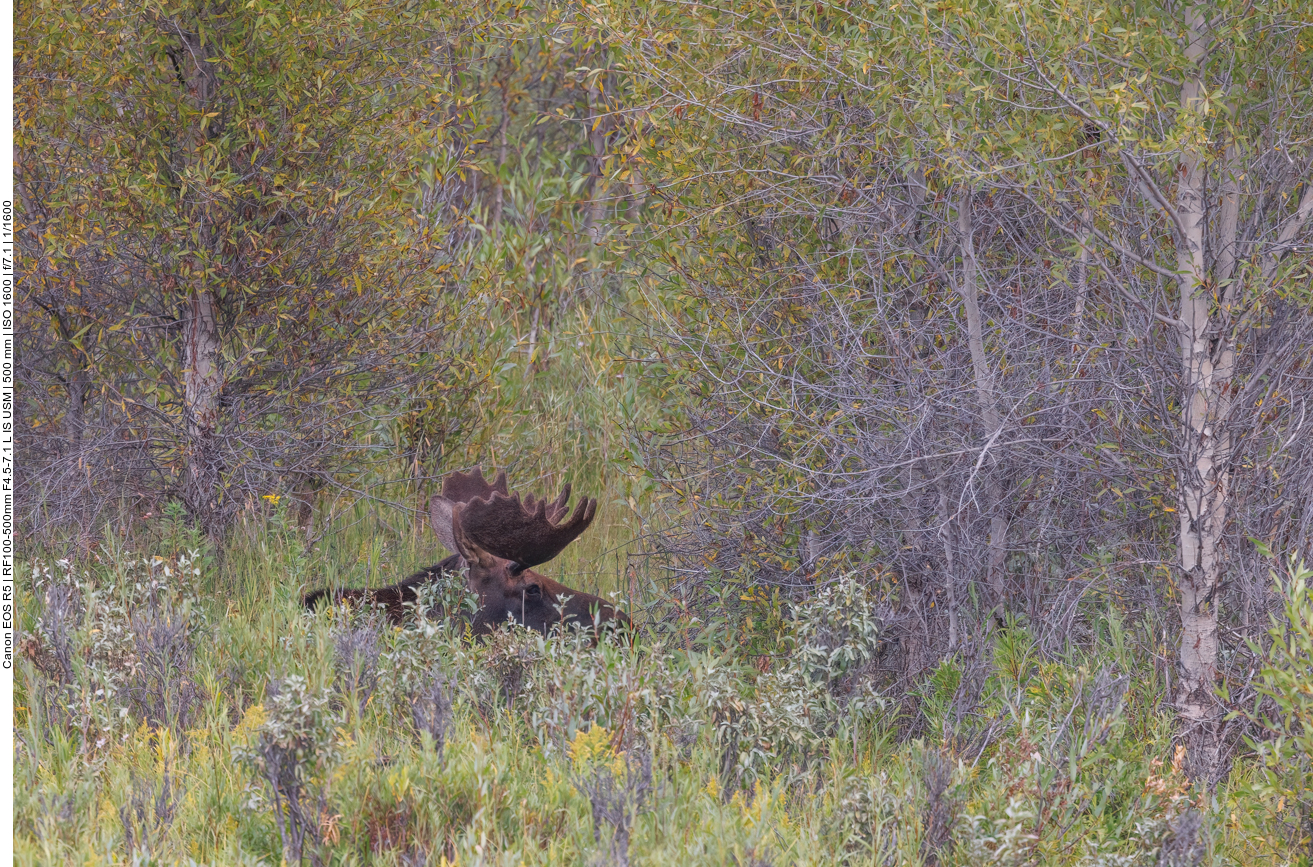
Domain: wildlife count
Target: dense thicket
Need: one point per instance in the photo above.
(1003, 308)
(224, 289)
(270, 249)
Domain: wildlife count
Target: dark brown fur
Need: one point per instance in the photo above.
(532, 600)
(395, 600)
(522, 534)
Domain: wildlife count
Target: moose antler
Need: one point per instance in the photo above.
(528, 532)
(463, 487)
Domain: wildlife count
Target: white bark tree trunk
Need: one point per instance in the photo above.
(1213, 320)
(1206, 372)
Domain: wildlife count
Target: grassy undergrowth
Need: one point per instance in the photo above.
(161, 722)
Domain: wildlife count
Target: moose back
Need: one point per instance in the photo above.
(496, 539)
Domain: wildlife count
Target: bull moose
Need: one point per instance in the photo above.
(497, 539)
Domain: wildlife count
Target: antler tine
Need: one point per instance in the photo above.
(555, 510)
(583, 515)
(558, 508)
(525, 532)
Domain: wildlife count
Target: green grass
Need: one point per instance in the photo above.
(819, 776)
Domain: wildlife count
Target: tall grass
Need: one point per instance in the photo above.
(669, 751)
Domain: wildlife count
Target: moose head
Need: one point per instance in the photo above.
(497, 538)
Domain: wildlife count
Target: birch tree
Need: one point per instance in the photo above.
(1200, 122)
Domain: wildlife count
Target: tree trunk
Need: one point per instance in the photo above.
(77, 383)
(998, 525)
(916, 593)
(202, 387)
(946, 523)
(306, 492)
(1206, 372)
(201, 363)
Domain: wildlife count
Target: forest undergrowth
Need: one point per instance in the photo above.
(168, 716)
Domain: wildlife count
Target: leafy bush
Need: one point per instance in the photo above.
(356, 655)
(1285, 781)
(430, 710)
(293, 750)
(769, 722)
(616, 784)
(111, 651)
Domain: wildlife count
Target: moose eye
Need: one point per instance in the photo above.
(533, 590)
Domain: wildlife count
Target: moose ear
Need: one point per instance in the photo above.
(474, 553)
(440, 520)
